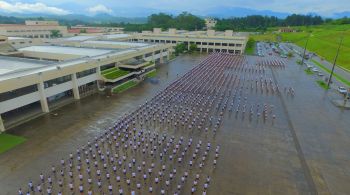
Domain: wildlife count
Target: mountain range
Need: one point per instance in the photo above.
(139, 14)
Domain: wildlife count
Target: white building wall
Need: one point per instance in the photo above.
(54, 90)
(156, 56)
(18, 102)
(87, 79)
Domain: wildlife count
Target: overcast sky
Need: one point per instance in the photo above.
(116, 7)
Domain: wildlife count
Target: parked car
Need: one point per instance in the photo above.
(315, 69)
(342, 90)
(320, 74)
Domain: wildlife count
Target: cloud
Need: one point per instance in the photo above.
(99, 9)
(19, 7)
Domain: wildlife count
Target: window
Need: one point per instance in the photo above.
(57, 81)
(231, 44)
(224, 44)
(86, 72)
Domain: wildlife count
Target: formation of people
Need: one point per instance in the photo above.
(168, 144)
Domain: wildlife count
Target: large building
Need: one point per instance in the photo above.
(92, 29)
(42, 76)
(33, 29)
(206, 41)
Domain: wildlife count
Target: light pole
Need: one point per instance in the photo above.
(307, 40)
(334, 62)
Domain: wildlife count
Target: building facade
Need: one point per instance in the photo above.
(206, 41)
(33, 83)
(33, 29)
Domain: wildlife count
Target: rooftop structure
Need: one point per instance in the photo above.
(210, 23)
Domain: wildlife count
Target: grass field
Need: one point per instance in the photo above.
(151, 74)
(125, 86)
(322, 84)
(324, 40)
(114, 73)
(8, 141)
(308, 71)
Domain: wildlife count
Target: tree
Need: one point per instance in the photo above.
(180, 48)
(160, 20)
(82, 30)
(193, 47)
(187, 21)
(55, 34)
(250, 43)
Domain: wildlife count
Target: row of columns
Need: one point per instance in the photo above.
(75, 87)
(43, 99)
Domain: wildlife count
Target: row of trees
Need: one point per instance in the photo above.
(188, 21)
(261, 23)
(185, 21)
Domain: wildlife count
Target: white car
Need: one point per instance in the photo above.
(342, 90)
(315, 69)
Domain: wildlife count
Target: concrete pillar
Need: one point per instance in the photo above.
(98, 72)
(75, 86)
(161, 60)
(43, 100)
(2, 126)
(168, 54)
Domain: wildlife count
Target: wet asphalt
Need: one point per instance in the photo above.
(304, 151)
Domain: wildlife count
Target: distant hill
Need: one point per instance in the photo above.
(97, 19)
(227, 12)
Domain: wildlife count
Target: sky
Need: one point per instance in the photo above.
(199, 7)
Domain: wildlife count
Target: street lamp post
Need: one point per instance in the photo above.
(307, 40)
(334, 62)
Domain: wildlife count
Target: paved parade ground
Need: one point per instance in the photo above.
(217, 124)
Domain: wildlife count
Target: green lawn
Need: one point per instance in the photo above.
(309, 72)
(324, 40)
(151, 74)
(322, 84)
(114, 73)
(149, 64)
(8, 141)
(125, 86)
(267, 37)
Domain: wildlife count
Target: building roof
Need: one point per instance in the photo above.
(121, 43)
(116, 36)
(67, 50)
(17, 38)
(15, 64)
(79, 38)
